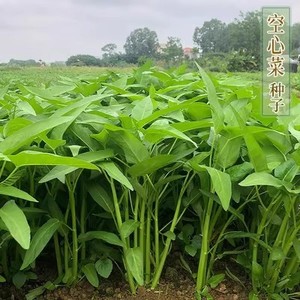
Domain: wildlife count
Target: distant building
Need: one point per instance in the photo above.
(189, 53)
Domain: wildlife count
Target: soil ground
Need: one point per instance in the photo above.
(176, 284)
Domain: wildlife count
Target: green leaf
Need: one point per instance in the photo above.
(199, 111)
(254, 236)
(108, 237)
(228, 151)
(276, 297)
(134, 258)
(158, 132)
(3, 91)
(296, 245)
(50, 92)
(186, 233)
(294, 280)
(240, 171)
(58, 172)
(84, 134)
(261, 178)
(26, 108)
(15, 193)
(257, 272)
(13, 177)
(19, 279)
(16, 223)
(104, 267)
(168, 110)
(74, 109)
(253, 296)
(215, 280)
(39, 241)
(114, 172)
(277, 254)
(170, 235)
(101, 197)
(187, 126)
(218, 115)
(14, 125)
(150, 165)
(94, 156)
(2, 279)
(256, 154)
(27, 134)
(34, 158)
(128, 227)
(142, 109)
(287, 170)
(91, 274)
(221, 184)
(129, 144)
(53, 144)
(191, 250)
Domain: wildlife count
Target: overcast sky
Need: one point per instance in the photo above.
(54, 30)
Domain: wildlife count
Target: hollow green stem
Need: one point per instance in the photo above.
(175, 220)
(66, 242)
(292, 265)
(202, 267)
(156, 232)
(74, 235)
(220, 236)
(281, 233)
(119, 225)
(83, 213)
(136, 210)
(142, 226)
(148, 248)
(280, 263)
(57, 255)
(273, 206)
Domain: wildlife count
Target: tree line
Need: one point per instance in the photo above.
(218, 46)
(235, 46)
(140, 45)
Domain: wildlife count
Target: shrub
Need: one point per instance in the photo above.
(242, 62)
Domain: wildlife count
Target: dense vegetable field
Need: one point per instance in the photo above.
(41, 76)
(111, 170)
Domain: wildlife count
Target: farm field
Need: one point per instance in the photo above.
(168, 184)
(44, 75)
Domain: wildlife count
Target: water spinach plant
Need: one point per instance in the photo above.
(113, 171)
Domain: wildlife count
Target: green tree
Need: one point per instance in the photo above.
(109, 49)
(110, 57)
(173, 51)
(210, 37)
(232, 36)
(83, 60)
(295, 36)
(23, 63)
(249, 28)
(141, 42)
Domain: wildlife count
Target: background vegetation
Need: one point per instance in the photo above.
(217, 47)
